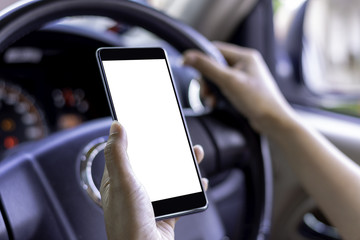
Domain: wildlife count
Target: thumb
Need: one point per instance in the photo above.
(116, 158)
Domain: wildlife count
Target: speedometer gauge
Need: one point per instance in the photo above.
(21, 119)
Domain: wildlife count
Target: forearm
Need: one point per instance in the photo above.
(332, 179)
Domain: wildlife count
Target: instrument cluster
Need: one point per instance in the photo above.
(49, 81)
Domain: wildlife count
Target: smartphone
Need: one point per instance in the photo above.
(143, 98)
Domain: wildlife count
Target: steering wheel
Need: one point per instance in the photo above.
(45, 185)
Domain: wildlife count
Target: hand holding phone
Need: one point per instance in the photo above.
(143, 97)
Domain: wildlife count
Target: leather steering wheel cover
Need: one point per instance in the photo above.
(34, 15)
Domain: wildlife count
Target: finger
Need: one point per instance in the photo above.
(210, 101)
(206, 95)
(104, 186)
(205, 183)
(211, 69)
(116, 159)
(105, 178)
(199, 153)
(235, 54)
(170, 221)
(204, 89)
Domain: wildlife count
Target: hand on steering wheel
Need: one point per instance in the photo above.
(247, 83)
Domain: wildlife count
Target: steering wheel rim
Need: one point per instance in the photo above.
(35, 14)
(32, 15)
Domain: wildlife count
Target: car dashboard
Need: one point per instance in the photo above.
(49, 81)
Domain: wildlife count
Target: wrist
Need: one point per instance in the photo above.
(275, 124)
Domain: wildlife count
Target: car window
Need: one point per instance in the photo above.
(330, 51)
(6, 3)
(331, 46)
(215, 19)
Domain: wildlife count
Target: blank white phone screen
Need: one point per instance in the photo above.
(158, 149)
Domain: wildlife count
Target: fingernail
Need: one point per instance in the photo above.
(114, 127)
(205, 181)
